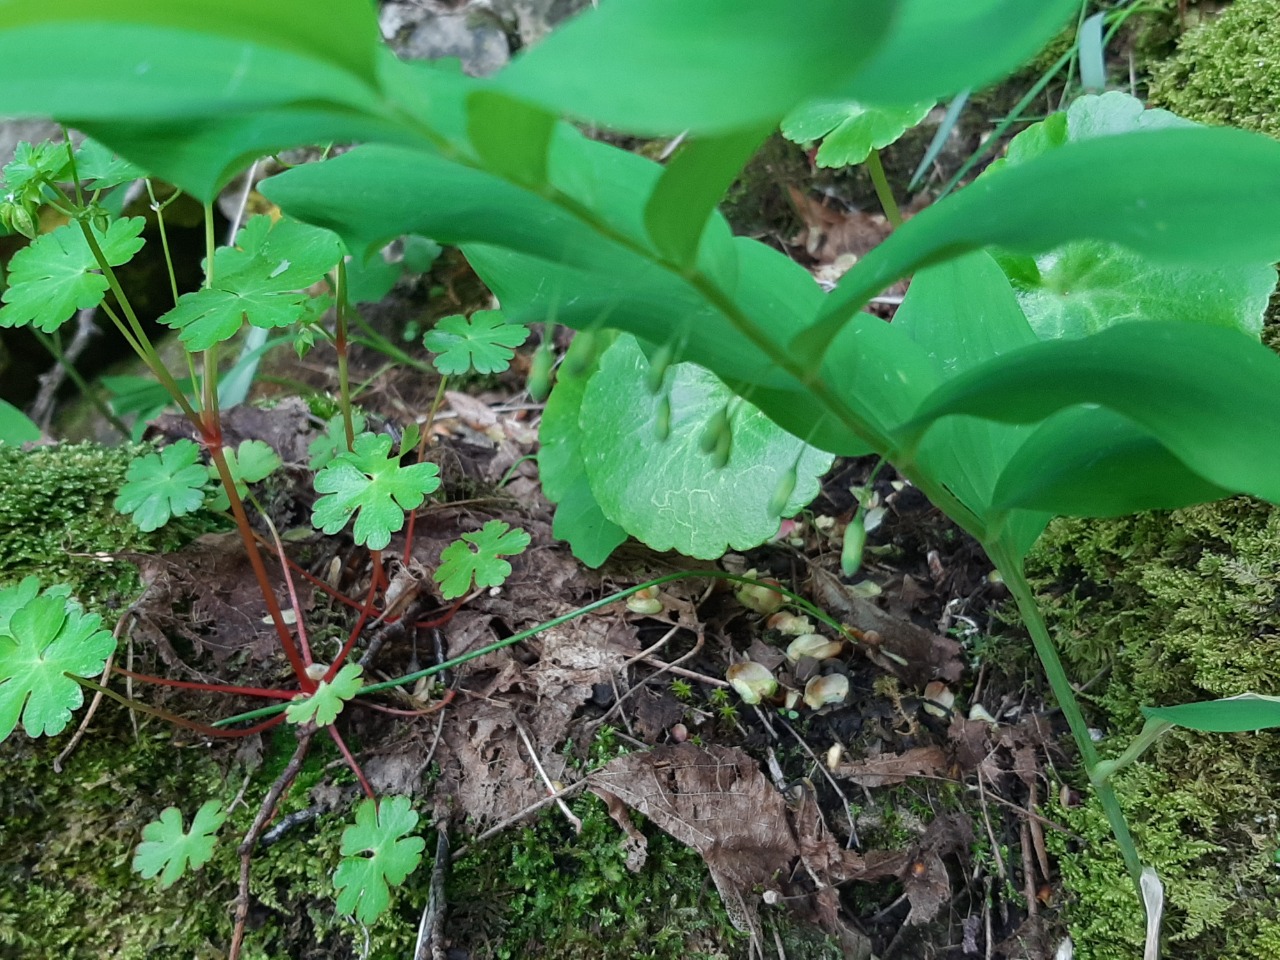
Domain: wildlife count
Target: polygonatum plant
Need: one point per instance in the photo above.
(1002, 423)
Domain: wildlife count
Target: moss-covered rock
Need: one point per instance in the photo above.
(1174, 607)
(58, 523)
(1228, 70)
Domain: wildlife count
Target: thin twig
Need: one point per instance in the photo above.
(551, 787)
(430, 945)
(515, 818)
(51, 380)
(97, 698)
(853, 830)
(265, 812)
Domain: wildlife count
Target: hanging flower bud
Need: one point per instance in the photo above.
(662, 422)
(540, 372)
(782, 492)
(658, 365)
(855, 539)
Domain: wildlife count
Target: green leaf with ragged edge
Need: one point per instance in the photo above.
(125, 71)
(849, 130)
(579, 520)
(56, 274)
(333, 441)
(1208, 395)
(162, 485)
(99, 168)
(1146, 191)
(15, 426)
(324, 705)
(483, 342)
(663, 66)
(33, 166)
(1246, 711)
(669, 493)
(262, 280)
(376, 855)
(44, 638)
(1085, 286)
(252, 462)
(459, 563)
(691, 186)
(168, 850)
(1092, 462)
(370, 484)
(512, 137)
(929, 51)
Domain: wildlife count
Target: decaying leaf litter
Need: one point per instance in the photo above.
(864, 818)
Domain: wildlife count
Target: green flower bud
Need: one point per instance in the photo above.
(855, 538)
(540, 373)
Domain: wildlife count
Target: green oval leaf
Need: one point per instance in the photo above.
(1248, 711)
(665, 66)
(1210, 396)
(1146, 191)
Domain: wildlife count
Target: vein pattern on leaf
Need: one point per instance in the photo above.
(55, 275)
(376, 853)
(42, 637)
(262, 279)
(369, 483)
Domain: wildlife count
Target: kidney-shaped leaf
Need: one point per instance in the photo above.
(669, 492)
(1208, 395)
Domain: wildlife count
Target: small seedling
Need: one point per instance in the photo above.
(161, 486)
(459, 563)
(169, 851)
(483, 342)
(44, 637)
(323, 706)
(369, 481)
(376, 853)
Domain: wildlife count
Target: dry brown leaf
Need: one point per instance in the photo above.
(919, 655)
(894, 767)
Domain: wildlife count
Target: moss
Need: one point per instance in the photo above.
(1228, 70)
(1175, 608)
(56, 518)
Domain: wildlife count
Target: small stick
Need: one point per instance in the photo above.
(537, 764)
(430, 944)
(515, 818)
(97, 698)
(265, 812)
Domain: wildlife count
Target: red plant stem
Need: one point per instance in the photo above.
(313, 579)
(174, 718)
(207, 687)
(365, 610)
(298, 618)
(441, 620)
(214, 443)
(351, 761)
(425, 712)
